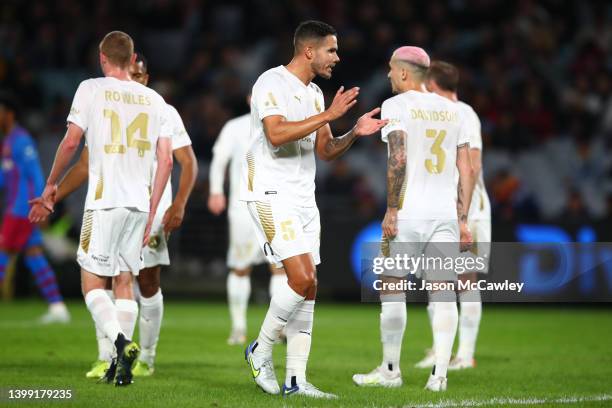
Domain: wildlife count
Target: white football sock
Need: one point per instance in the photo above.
(238, 293)
(136, 289)
(469, 322)
(149, 325)
(282, 306)
(103, 312)
(277, 282)
(127, 314)
(392, 326)
(299, 338)
(430, 311)
(105, 346)
(110, 294)
(445, 319)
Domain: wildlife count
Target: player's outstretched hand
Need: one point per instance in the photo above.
(466, 239)
(216, 203)
(389, 224)
(40, 210)
(343, 101)
(367, 124)
(173, 218)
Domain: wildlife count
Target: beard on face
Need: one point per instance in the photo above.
(321, 70)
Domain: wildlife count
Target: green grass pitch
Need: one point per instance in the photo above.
(552, 356)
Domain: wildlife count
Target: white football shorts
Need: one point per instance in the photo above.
(431, 241)
(244, 248)
(111, 241)
(285, 230)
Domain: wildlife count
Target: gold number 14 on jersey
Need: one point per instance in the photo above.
(140, 123)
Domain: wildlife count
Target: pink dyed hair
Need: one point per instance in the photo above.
(413, 55)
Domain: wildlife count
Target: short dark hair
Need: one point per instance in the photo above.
(140, 58)
(445, 75)
(309, 30)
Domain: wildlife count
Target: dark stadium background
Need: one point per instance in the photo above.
(538, 73)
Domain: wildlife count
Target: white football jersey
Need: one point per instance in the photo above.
(122, 121)
(434, 128)
(231, 146)
(180, 138)
(287, 171)
(480, 209)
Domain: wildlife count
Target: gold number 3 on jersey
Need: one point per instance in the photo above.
(436, 150)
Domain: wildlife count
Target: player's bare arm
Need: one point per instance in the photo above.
(280, 131)
(162, 174)
(465, 187)
(476, 157)
(396, 175)
(329, 147)
(173, 218)
(66, 150)
(75, 177)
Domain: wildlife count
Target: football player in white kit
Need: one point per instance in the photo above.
(289, 123)
(244, 251)
(426, 207)
(443, 79)
(126, 126)
(168, 218)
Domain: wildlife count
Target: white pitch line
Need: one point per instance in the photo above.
(512, 401)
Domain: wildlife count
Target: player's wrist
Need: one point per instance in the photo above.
(179, 203)
(327, 116)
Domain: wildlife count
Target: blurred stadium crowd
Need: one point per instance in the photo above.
(538, 73)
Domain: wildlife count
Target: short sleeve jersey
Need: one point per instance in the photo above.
(231, 145)
(286, 171)
(434, 128)
(122, 121)
(180, 138)
(480, 208)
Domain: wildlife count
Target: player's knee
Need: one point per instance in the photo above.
(242, 272)
(302, 282)
(312, 293)
(123, 286)
(148, 282)
(308, 279)
(148, 289)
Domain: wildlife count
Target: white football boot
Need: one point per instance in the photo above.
(458, 363)
(57, 313)
(306, 389)
(379, 377)
(262, 371)
(436, 384)
(237, 337)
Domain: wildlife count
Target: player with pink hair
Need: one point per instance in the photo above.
(426, 210)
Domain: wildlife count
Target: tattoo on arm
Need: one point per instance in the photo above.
(461, 215)
(396, 168)
(338, 145)
(463, 191)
